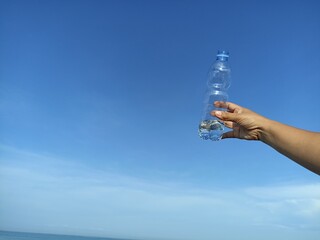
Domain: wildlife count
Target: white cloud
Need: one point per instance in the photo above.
(42, 193)
(295, 206)
(298, 199)
(311, 190)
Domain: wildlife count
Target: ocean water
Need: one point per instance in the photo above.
(4, 235)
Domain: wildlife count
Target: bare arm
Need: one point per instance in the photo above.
(299, 145)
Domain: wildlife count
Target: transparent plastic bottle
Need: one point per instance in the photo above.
(218, 83)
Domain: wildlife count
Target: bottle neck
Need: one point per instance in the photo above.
(222, 58)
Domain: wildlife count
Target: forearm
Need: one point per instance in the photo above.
(299, 145)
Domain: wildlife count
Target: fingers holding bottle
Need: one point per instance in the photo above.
(224, 116)
(245, 124)
(229, 106)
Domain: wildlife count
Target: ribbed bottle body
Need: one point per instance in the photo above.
(219, 80)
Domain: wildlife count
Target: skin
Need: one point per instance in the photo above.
(299, 145)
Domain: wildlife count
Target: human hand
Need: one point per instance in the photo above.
(245, 124)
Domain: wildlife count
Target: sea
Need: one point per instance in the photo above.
(5, 235)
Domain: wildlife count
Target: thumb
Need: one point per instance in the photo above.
(225, 116)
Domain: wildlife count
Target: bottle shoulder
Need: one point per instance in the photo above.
(221, 66)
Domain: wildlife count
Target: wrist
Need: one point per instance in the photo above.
(266, 130)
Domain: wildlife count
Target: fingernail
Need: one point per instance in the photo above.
(218, 113)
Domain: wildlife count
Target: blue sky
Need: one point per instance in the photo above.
(100, 103)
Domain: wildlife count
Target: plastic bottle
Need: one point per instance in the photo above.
(218, 83)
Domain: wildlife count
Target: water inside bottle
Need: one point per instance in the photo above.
(211, 129)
